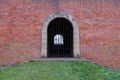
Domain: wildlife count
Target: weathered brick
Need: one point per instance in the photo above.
(21, 23)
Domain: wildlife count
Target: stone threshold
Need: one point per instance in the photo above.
(59, 59)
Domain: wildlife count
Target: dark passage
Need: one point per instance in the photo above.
(60, 38)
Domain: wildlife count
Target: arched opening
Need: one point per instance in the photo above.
(72, 24)
(60, 38)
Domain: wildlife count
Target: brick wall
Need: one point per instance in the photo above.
(21, 22)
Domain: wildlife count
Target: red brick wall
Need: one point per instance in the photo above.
(21, 22)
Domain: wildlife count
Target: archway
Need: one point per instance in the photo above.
(60, 38)
(76, 40)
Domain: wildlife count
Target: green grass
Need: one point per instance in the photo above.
(58, 71)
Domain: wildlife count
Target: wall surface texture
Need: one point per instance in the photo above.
(21, 22)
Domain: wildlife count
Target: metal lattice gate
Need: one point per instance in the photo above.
(60, 38)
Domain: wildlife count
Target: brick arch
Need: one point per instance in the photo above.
(76, 38)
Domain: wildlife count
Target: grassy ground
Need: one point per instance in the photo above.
(58, 71)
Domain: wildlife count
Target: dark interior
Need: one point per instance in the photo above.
(63, 27)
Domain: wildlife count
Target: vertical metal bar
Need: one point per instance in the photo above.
(57, 33)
